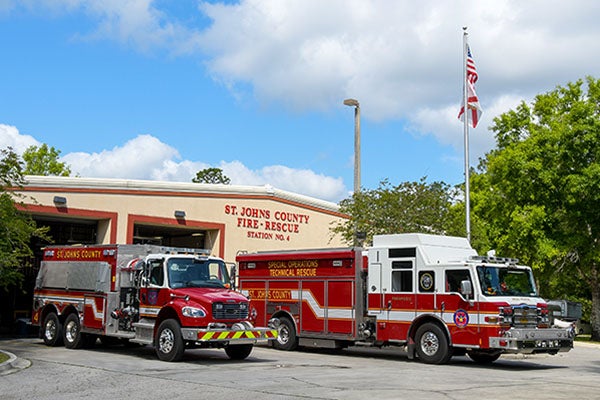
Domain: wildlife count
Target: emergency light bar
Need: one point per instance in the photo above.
(493, 259)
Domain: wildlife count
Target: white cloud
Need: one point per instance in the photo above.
(136, 23)
(402, 62)
(302, 181)
(394, 57)
(436, 122)
(11, 137)
(142, 158)
(146, 157)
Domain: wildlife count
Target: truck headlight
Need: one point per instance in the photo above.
(193, 312)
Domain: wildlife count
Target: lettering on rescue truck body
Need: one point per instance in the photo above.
(261, 223)
(293, 268)
(78, 254)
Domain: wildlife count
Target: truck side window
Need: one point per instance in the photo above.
(157, 276)
(454, 277)
(402, 274)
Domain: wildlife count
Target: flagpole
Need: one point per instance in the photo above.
(466, 134)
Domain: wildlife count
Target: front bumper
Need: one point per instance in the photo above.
(253, 335)
(532, 341)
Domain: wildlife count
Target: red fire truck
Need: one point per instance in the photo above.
(431, 294)
(169, 298)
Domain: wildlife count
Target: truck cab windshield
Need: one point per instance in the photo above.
(197, 272)
(506, 281)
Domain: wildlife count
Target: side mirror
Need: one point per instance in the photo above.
(466, 289)
(146, 274)
(233, 276)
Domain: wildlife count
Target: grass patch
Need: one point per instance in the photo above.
(3, 357)
(585, 338)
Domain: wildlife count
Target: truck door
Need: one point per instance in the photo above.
(391, 291)
(374, 285)
(152, 293)
(340, 313)
(401, 302)
(460, 315)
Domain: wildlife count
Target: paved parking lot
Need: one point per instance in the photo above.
(118, 372)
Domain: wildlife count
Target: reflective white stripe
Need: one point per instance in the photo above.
(149, 310)
(448, 316)
(61, 299)
(337, 313)
(91, 302)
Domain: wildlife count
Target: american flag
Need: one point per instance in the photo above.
(473, 106)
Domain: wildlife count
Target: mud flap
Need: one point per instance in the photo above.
(410, 348)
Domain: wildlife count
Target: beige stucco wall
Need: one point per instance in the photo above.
(236, 217)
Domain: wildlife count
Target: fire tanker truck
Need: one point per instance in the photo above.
(169, 298)
(431, 294)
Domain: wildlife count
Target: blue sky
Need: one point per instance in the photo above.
(158, 90)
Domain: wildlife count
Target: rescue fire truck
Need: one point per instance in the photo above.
(431, 294)
(169, 298)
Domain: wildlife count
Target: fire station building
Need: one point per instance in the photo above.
(223, 219)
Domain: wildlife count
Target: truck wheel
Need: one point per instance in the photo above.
(169, 343)
(238, 351)
(72, 332)
(52, 330)
(432, 344)
(286, 336)
(484, 357)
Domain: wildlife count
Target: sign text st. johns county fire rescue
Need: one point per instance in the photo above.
(267, 224)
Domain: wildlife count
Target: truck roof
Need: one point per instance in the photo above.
(433, 248)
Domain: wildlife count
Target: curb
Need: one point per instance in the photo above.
(12, 364)
(586, 344)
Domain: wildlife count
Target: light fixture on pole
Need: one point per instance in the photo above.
(354, 103)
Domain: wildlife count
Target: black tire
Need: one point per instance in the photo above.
(52, 330)
(432, 344)
(168, 342)
(72, 335)
(484, 357)
(286, 336)
(238, 351)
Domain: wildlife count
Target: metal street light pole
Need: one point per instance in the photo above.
(354, 103)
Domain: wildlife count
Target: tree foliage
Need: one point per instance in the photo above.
(16, 227)
(407, 207)
(43, 160)
(211, 175)
(539, 190)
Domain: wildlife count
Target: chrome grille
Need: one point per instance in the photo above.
(230, 311)
(525, 316)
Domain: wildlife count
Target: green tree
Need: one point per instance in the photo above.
(16, 227)
(43, 160)
(539, 191)
(211, 175)
(407, 207)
